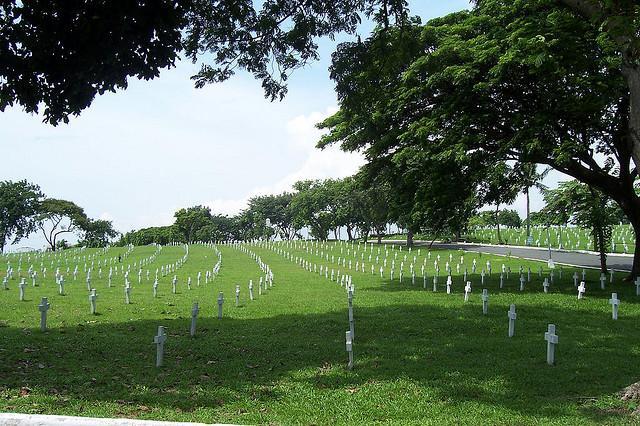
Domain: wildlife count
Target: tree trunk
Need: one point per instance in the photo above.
(632, 75)
(498, 222)
(602, 250)
(349, 233)
(635, 270)
(379, 238)
(409, 238)
(631, 207)
(528, 212)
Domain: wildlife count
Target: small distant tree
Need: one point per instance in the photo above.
(530, 178)
(587, 207)
(501, 186)
(97, 233)
(276, 209)
(538, 218)
(311, 206)
(19, 204)
(510, 218)
(190, 220)
(57, 217)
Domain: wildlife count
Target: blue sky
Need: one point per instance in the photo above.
(136, 156)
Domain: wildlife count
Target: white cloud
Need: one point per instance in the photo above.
(106, 216)
(227, 207)
(328, 163)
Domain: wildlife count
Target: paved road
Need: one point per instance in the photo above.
(620, 263)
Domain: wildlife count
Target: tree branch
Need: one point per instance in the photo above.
(590, 9)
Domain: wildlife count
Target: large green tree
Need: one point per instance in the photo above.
(432, 195)
(522, 81)
(19, 204)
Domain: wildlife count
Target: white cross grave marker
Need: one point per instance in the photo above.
(159, 341)
(485, 301)
(467, 290)
(61, 285)
(43, 307)
(220, 302)
(614, 302)
(92, 301)
(21, 286)
(194, 316)
(552, 340)
(512, 319)
(581, 290)
(349, 344)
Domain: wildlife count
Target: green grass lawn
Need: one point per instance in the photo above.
(420, 357)
(568, 238)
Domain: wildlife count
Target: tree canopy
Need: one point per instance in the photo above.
(56, 217)
(586, 207)
(97, 233)
(524, 82)
(58, 55)
(19, 203)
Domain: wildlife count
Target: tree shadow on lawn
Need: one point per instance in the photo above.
(458, 354)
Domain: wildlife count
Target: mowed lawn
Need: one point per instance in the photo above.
(420, 357)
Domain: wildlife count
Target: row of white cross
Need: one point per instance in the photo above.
(550, 335)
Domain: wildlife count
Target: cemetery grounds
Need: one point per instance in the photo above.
(420, 356)
(569, 238)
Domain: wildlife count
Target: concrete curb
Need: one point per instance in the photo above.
(17, 419)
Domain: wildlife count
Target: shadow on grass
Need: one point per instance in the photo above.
(626, 291)
(458, 354)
